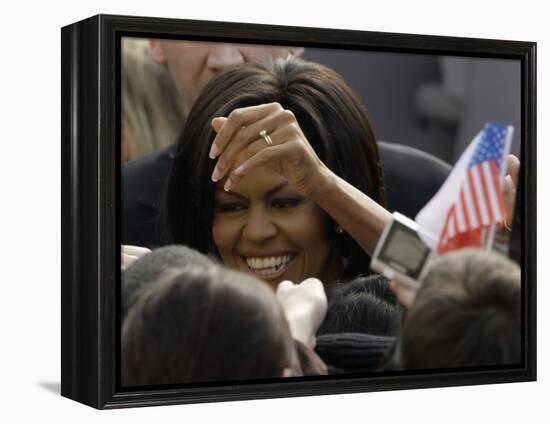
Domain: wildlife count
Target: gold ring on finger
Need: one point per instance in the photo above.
(266, 137)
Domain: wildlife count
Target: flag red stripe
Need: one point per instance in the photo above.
(460, 219)
(469, 203)
(445, 231)
(486, 196)
(473, 191)
(455, 221)
(465, 209)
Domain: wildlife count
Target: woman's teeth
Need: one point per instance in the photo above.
(269, 265)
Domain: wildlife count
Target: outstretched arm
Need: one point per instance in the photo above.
(353, 210)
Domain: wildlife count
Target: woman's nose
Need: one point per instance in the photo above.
(222, 56)
(259, 227)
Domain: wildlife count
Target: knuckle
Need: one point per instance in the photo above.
(236, 115)
(294, 127)
(289, 115)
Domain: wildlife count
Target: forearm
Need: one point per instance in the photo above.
(359, 215)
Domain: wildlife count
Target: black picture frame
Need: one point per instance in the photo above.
(90, 207)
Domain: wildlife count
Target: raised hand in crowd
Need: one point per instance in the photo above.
(305, 307)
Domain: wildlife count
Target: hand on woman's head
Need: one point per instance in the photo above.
(271, 222)
(240, 147)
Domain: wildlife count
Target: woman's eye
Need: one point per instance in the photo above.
(285, 203)
(231, 207)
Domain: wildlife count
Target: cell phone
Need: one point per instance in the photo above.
(400, 254)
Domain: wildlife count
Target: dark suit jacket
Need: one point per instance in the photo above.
(142, 186)
(411, 177)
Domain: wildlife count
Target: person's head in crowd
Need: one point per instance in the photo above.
(151, 111)
(364, 305)
(205, 324)
(467, 312)
(268, 224)
(150, 266)
(193, 63)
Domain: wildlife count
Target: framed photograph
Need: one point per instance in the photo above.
(278, 154)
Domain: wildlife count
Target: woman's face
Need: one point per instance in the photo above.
(265, 228)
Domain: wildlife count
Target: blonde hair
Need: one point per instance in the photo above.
(151, 113)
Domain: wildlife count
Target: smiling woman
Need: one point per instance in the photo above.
(268, 229)
(296, 190)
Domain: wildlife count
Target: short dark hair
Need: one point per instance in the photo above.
(205, 324)
(466, 313)
(329, 113)
(364, 305)
(150, 267)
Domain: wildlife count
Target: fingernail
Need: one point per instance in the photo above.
(239, 170)
(213, 151)
(216, 174)
(228, 186)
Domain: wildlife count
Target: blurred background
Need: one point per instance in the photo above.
(434, 103)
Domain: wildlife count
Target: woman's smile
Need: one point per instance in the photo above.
(270, 266)
(267, 229)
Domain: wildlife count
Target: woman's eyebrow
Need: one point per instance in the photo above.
(221, 192)
(277, 188)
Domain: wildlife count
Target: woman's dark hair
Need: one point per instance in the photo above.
(205, 323)
(466, 313)
(330, 115)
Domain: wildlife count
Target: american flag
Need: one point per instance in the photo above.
(480, 202)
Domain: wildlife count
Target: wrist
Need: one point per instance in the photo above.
(321, 184)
